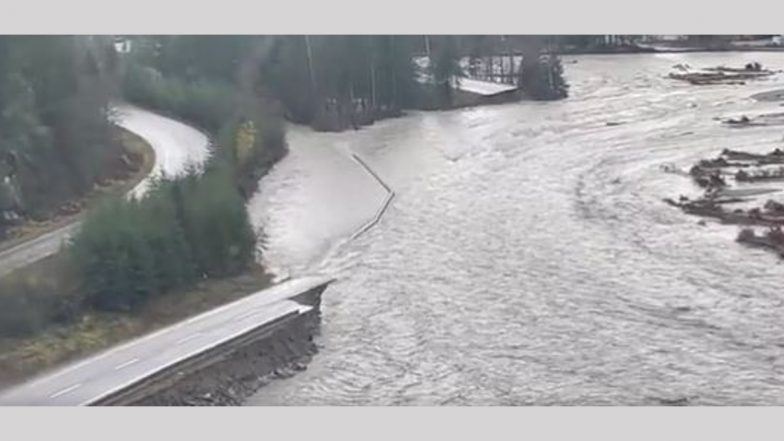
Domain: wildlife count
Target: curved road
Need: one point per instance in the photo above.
(87, 381)
(177, 148)
(528, 257)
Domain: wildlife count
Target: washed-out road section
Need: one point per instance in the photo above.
(93, 380)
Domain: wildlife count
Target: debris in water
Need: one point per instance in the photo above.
(722, 75)
(710, 174)
(681, 401)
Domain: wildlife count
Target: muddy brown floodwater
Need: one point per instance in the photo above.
(528, 257)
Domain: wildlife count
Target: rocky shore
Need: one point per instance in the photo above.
(230, 379)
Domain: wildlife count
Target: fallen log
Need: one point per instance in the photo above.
(722, 75)
(762, 175)
(773, 239)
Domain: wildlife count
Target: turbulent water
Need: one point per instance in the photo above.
(528, 257)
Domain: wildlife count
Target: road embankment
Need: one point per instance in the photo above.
(224, 350)
(230, 372)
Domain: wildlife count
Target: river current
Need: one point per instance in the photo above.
(528, 257)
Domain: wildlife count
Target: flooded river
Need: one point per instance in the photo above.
(527, 257)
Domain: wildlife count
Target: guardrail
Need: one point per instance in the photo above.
(169, 375)
(388, 200)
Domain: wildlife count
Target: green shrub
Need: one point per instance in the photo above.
(215, 106)
(25, 306)
(37, 296)
(196, 225)
(206, 103)
(115, 256)
(216, 223)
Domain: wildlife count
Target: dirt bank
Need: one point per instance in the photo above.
(228, 374)
(229, 380)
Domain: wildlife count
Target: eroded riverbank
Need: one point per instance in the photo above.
(528, 257)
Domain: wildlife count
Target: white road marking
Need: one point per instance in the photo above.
(126, 364)
(273, 307)
(190, 337)
(60, 373)
(276, 311)
(293, 285)
(101, 356)
(65, 391)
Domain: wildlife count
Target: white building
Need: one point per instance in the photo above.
(122, 45)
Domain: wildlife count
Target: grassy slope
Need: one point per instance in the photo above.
(25, 357)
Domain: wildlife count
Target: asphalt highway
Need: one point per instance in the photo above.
(89, 380)
(177, 147)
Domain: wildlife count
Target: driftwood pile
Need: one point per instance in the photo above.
(715, 175)
(721, 74)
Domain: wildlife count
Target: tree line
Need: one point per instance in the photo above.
(184, 229)
(345, 81)
(196, 226)
(334, 82)
(340, 81)
(56, 139)
(214, 83)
